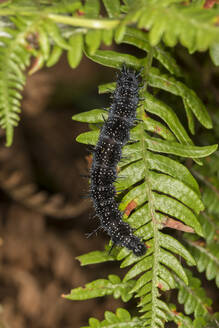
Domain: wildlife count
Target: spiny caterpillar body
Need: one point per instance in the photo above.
(107, 153)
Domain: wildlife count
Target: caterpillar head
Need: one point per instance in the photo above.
(129, 77)
(137, 246)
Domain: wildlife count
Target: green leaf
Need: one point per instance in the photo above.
(159, 108)
(171, 244)
(92, 8)
(174, 208)
(44, 42)
(92, 116)
(157, 128)
(170, 147)
(113, 59)
(171, 262)
(107, 36)
(142, 281)
(112, 7)
(95, 257)
(54, 56)
(93, 39)
(55, 34)
(14, 59)
(167, 275)
(107, 88)
(62, 6)
(102, 287)
(141, 266)
(75, 52)
(88, 138)
(190, 118)
(119, 33)
(168, 83)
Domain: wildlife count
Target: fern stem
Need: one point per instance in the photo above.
(68, 20)
(144, 146)
(85, 22)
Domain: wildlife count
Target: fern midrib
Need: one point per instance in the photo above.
(151, 207)
(144, 146)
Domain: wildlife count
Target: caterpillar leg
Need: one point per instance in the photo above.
(88, 235)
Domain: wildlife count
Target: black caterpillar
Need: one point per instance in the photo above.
(107, 153)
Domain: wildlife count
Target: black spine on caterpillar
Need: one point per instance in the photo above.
(107, 153)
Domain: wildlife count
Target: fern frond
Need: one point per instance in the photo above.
(16, 49)
(172, 21)
(14, 59)
(154, 190)
(23, 38)
(96, 257)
